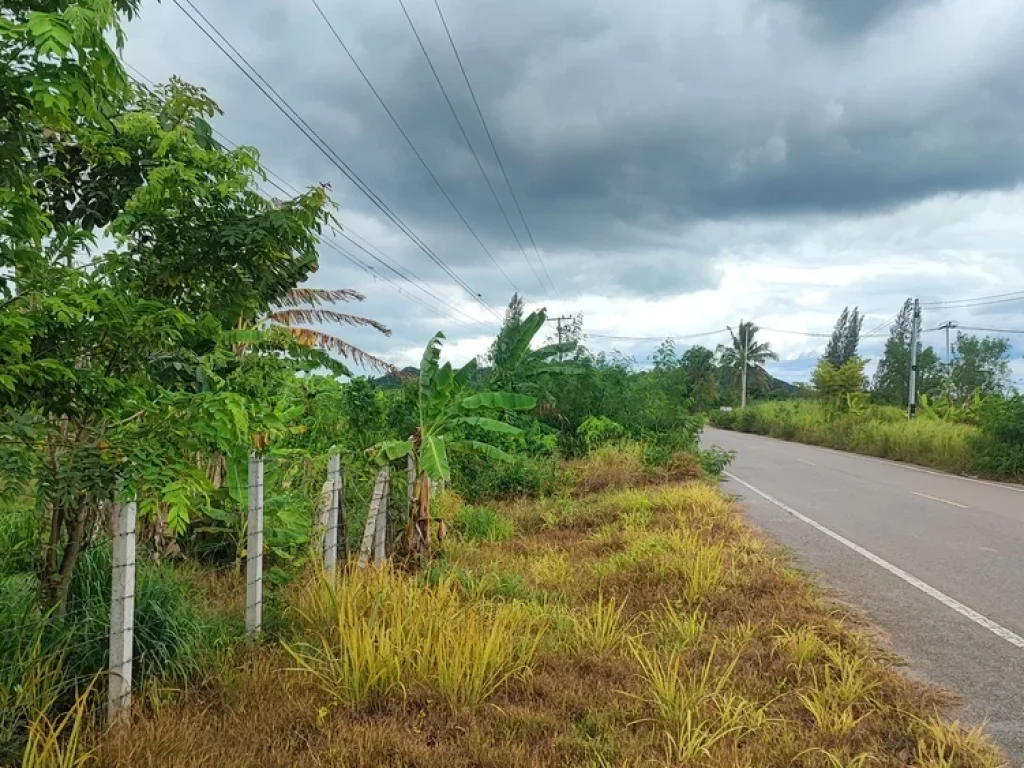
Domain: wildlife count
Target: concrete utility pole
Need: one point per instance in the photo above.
(912, 398)
(945, 327)
(743, 371)
(558, 321)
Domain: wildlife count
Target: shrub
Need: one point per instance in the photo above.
(998, 450)
(597, 431)
(480, 479)
(610, 467)
(714, 460)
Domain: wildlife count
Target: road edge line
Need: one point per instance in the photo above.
(969, 613)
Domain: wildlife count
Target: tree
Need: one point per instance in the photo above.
(892, 377)
(746, 348)
(698, 366)
(116, 366)
(513, 319)
(445, 413)
(979, 365)
(517, 368)
(304, 306)
(842, 346)
(840, 387)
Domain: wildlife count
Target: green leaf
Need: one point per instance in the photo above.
(393, 449)
(483, 448)
(434, 458)
(506, 401)
(465, 373)
(491, 425)
(428, 367)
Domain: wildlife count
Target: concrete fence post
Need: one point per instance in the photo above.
(339, 502)
(366, 548)
(380, 531)
(122, 615)
(254, 549)
(329, 514)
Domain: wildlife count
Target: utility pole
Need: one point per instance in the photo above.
(945, 327)
(743, 371)
(558, 321)
(912, 398)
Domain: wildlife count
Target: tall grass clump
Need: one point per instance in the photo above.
(482, 524)
(379, 634)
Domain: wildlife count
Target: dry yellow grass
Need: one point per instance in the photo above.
(646, 627)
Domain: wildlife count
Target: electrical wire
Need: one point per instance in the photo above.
(465, 136)
(988, 330)
(303, 126)
(412, 146)
(494, 146)
(657, 338)
(979, 301)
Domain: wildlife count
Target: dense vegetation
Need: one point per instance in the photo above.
(969, 420)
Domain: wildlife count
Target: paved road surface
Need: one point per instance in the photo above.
(936, 560)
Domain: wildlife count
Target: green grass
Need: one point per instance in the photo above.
(881, 431)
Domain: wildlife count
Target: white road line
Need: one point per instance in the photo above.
(942, 597)
(805, 461)
(936, 498)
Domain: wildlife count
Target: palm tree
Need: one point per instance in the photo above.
(745, 348)
(302, 306)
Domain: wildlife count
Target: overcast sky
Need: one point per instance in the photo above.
(681, 164)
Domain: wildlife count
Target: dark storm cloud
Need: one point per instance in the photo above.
(624, 127)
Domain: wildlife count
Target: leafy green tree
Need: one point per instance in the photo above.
(892, 377)
(841, 388)
(117, 370)
(513, 319)
(842, 346)
(446, 413)
(516, 367)
(745, 347)
(979, 365)
(700, 372)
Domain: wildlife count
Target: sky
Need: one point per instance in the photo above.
(680, 165)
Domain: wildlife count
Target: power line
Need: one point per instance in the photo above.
(289, 189)
(494, 146)
(989, 330)
(310, 133)
(465, 136)
(657, 338)
(412, 146)
(978, 301)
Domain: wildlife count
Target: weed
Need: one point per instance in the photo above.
(599, 628)
(680, 631)
(801, 643)
(482, 524)
(56, 741)
(941, 745)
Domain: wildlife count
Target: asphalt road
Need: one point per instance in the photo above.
(936, 560)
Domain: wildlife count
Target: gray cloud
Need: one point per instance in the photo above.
(642, 141)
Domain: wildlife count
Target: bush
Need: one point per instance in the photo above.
(479, 479)
(610, 467)
(596, 431)
(714, 460)
(998, 450)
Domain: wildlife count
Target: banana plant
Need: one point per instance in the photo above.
(444, 409)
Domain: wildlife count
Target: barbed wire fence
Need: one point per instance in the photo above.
(329, 542)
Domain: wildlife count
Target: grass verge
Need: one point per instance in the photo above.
(647, 626)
